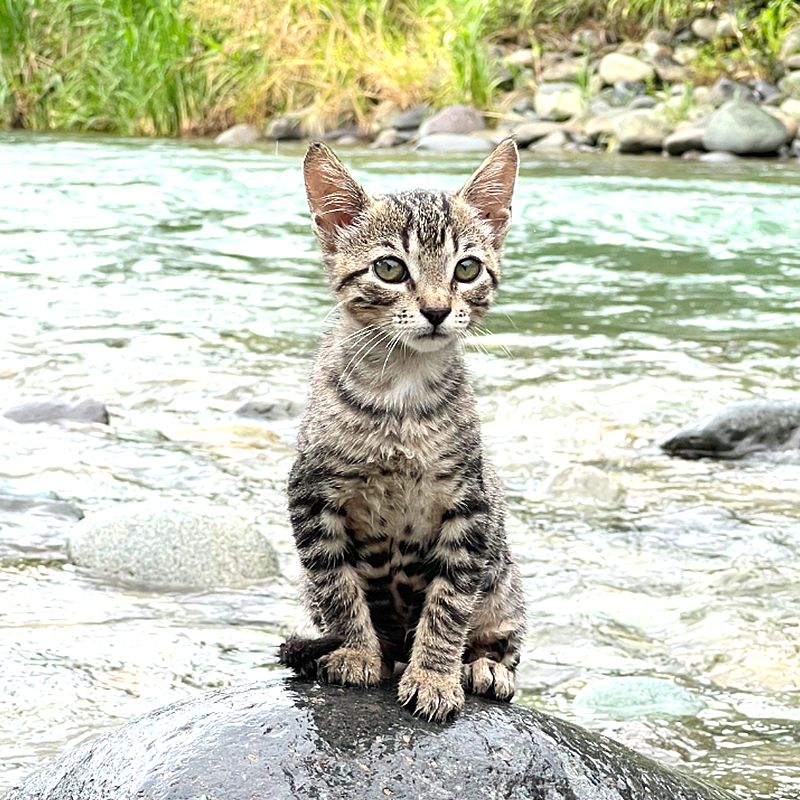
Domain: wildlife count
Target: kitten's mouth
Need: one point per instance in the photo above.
(427, 342)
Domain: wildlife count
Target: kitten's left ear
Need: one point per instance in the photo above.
(335, 197)
(490, 188)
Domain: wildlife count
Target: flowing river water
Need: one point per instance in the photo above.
(174, 281)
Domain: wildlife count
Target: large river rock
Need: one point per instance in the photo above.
(738, 430)
(296, 739)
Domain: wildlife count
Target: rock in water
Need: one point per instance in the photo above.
(172, 546)
(744, 129)
(740, 429)
(55, 410)
(284, 740)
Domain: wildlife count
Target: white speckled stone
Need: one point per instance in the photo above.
(172, 545)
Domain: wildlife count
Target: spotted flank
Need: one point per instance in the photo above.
(397, 517)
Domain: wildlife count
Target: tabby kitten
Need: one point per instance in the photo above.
(398, 520)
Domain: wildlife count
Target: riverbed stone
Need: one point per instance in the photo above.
(454, 143)
(33, 411)
(172, 545)
(566, 69)
(270, 409)
(640, 131)
(553, 142)
(637, 696)
(521, 58)
(767, 92)
(558, 101)
(618, 67)
(717, 157)
(726, 89)
(744, 129)
(788, 121)
(739, 430)
(684, 139)
(790, 84)
(288, 739)
(285, 127)
(412, 118)
(240, 135)
(601, 126)
(669, 70)
(705, 28)
(727, 26)
(791, 107)
(529, 132)
(457, 119)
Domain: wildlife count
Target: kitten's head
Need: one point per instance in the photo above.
(421, 266)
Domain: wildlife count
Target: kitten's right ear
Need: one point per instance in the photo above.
(335, 197)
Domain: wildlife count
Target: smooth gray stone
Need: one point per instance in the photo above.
(740, 429)
(725, 90)
(270, 410)
(412, 118)
(57, 410)
(744, 129)
(457, 119)
(285, 740)
(684, 140)
(172, 546)
(239, 135)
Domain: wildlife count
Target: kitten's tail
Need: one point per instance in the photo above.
(300, 654)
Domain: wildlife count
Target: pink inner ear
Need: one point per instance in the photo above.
(334, 196)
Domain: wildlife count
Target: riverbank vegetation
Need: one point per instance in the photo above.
(172, 67)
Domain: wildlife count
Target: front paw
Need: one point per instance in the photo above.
(349, 666)
(434, 695)
(489, 678)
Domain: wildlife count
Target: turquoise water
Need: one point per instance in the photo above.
(174, 281)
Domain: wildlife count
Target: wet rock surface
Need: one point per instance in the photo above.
(295, 739)
(57, 410)
(740, 429)
(744, 129)
(172, 546)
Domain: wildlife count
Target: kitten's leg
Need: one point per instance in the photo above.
(432, 680)
(326, 550)
(493, 644)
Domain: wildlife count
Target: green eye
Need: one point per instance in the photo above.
(390, 269)
(467, 270)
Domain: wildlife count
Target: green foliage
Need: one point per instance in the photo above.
(115, 65)
(166, 67)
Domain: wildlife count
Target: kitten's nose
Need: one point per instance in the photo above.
(435, 316)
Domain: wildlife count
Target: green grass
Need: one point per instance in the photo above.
(171, 67)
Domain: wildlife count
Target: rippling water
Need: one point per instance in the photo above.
(174, 281)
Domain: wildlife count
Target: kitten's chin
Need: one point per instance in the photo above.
(429, 343)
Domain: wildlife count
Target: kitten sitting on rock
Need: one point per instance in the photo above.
(397, 517)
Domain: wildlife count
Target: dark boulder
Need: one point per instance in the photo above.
(740, 429)
(295, 739)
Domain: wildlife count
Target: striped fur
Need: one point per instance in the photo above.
(397, 518)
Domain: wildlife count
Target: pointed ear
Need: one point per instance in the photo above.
(490, 188)
(334, 196)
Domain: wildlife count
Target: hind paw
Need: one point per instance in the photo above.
(488, 678)
(348, 666)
